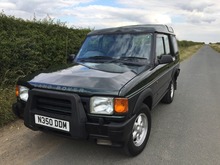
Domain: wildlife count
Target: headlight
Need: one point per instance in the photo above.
(108, 105)
(102, 105)
(22, 92)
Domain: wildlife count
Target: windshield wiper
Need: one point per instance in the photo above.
(95, 58)
(132, 58)
(138, 61)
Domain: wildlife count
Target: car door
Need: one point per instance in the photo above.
(162, 72)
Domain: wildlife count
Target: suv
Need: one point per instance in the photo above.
(107, 90)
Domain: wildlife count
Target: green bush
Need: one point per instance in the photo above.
(185, 43)
(7, 97)
(27, 46)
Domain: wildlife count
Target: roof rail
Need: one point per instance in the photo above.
(170, 29)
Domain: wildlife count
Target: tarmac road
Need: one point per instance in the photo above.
(184, 132)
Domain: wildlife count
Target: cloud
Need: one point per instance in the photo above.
(193, 11)
(155, 5)
(7, 5)
(41, 8)
(187, 31)
(199, 12)
(199, 17)
(106, 16)
(190, 14)
(195, 6)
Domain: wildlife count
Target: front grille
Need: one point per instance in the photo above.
(53, 105)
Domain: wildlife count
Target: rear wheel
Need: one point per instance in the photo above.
(140, 132)
(168, 98)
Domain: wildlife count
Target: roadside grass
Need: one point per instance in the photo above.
(7, 97)
(186, 52)
(7, 93)
(216, 47)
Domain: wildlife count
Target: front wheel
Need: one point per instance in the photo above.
(140, 132)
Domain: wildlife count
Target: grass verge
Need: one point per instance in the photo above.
(186, 52)
(7, 97)
(216, 47)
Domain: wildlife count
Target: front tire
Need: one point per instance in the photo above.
(140, 132)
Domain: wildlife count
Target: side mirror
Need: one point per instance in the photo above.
(165, 59)
(71, 58)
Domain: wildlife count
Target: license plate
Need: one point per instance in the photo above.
(52, 122)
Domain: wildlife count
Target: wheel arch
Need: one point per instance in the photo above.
(175, 74)
(146, 97)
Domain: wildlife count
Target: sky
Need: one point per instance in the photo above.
(194, 20)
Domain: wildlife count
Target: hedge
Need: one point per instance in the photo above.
(28, 46)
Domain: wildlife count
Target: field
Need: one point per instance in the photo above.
(216, 47)
(186, 52)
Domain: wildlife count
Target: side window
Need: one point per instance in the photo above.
(162, 45)
(167, 44)
(175, 45)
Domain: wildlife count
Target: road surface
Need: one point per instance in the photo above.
(184, 132)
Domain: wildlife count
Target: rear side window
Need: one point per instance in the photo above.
(160, 46)
(167, 44)
(175, 45)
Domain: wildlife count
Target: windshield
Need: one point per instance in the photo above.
(129, 49)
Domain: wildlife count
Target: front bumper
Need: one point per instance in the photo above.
(114, 131)
(80, 126)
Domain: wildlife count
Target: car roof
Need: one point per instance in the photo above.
(146, 28)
